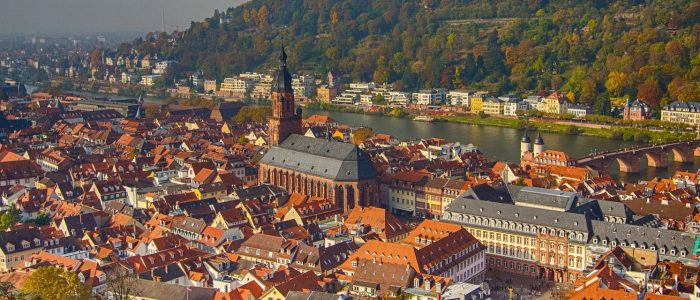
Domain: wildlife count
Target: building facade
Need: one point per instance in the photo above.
(682, 112)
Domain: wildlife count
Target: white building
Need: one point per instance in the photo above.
(512, 104)
(398, 97)
(579, 111)
(363, 86)
(348, 97)
(430, 97)
(237, 85)
(303, 86)
(534, 102)
(163, 66)
(149, 80)
(447, 151)
(458, 98)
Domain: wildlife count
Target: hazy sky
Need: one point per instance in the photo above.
(89, 16)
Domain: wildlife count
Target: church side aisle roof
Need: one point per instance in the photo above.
(329, 159)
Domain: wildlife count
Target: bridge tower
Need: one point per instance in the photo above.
(525, 144)
(539, 145)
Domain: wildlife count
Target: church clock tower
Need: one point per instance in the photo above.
(285, 120)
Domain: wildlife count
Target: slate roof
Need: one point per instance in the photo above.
(313, 295)
(159, 290)
(522, 214)
(683, 106)
(599, 209)
(263, 192)
(328, 159)
(545, 197)
(640, 235)
(15, 238)
(487, 192)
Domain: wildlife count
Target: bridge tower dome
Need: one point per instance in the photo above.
(525, 144)
(539, 145)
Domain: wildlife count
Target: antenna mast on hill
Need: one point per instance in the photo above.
(162, 20)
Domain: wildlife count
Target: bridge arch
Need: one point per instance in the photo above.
(657, 159)
(629, 164)
(630, 160)
(683, 154)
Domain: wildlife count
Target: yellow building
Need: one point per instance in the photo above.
(359, 135)
(476, 102)
(18, 245)
(325, 94)
(682, 112)
(556, 103)
(211, 86)
(525, 239)
(493, 106)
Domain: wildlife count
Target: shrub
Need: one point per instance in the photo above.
(572, 130)
(617, 135)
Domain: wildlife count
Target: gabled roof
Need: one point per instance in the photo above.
(328, 159)
(380, 220)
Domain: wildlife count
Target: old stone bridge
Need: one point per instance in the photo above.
(630, 159)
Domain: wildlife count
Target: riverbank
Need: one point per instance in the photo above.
(620, 133)
(616, 133)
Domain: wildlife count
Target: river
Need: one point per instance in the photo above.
(499, 143)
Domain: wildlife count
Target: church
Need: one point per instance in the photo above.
(337, 171)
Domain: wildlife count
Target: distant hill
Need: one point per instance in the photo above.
(592, 50)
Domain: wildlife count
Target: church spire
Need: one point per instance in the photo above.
(283, 80)
(284, 120)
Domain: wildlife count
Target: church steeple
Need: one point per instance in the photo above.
(285, 120)
(283, 80)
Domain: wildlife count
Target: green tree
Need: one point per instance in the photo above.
(457, 80)
(9, 292)
(494, 59)
(8, 218)
(242, 140)
(602, 105)
(55, 283)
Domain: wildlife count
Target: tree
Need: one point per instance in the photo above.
(589, 90)
(262, 16)
(9, 292)
(649, 92)
(242, 140)
(334, 17)
(121, 284)
(616, 83)
(8, 218)
(54, 283)
(457, 80)
(494, 57)
(602, 105)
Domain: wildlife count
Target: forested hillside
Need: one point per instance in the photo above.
(592, 50)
